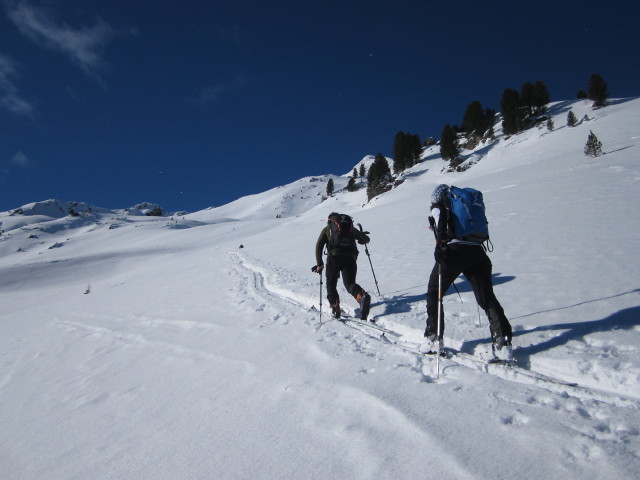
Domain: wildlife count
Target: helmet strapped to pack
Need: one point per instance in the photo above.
(439, 193)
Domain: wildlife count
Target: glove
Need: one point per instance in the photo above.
(440, 252)
(365, 240)
(317, 269)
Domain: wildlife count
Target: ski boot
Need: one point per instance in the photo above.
(364, 299)
(431, 345)
(336, 312)
(502, 349)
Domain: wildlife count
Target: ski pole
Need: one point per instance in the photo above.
(314, 269)
(369, 257)
(432, 223)
(320, 299)
(439, 318)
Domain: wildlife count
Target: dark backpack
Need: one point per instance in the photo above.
(468, 218)
(341, 233)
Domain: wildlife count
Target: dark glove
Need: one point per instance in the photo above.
(365, 240)
(317, 269)
(440, 253)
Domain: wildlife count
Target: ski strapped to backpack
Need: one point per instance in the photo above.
(341, 232)
(468, 219)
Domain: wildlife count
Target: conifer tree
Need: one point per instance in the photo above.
(541, 98)
(593, 148)
(449, 143)
(550, 125)
(406, 151)
(527, 98)
(330, 187)
(572, 121)
(378, 177)
(512, 119)
(598, 91)
(351, 185)
(399, 152)
(415, 149)
(473, 121)
(363, 170)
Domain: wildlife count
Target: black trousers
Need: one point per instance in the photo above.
(474, 264)
(348, 267)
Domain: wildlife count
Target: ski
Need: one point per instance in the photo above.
(508, 369)
(366, 323)
(496, 366)
(415, 349)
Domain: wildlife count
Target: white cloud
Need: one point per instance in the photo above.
(83, 46)
(10, 98)
(213, 93)
(21, 160)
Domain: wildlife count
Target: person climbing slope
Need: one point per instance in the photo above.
(340, 237)
(459, 250)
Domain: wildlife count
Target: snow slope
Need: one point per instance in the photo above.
(190, 357)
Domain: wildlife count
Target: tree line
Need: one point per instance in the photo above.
(519, 109)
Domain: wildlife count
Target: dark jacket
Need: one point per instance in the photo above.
(323, 240)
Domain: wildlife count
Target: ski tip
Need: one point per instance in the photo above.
(500, 361)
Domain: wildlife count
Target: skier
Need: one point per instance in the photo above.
(454, 257)
(340, 237)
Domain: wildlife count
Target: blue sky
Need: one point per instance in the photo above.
(196, 103)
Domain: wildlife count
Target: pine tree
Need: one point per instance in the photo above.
(379, 177)
(550, 125)
(598, 91)
(512, 118)
(415, 149)
(527, 98)
(593, 148)
(572, 121)
(330, 187)
(363, 170)
(489, 118)
(406, 151)
(351, 185)
(355, 173)
(473, 121)
(541, 98)
(399, 152)
(449, 143)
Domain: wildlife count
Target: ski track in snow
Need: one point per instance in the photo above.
(591, 414)
(278, 300)
(113, 335)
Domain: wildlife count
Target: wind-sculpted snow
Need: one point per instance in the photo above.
(192, 346)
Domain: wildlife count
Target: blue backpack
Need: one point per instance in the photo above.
(468, 218)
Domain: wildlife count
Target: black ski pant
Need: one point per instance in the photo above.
(474, 264)
(348, 267)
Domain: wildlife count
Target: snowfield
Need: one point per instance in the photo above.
(135, 347)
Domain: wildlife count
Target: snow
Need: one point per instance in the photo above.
(194, 358)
